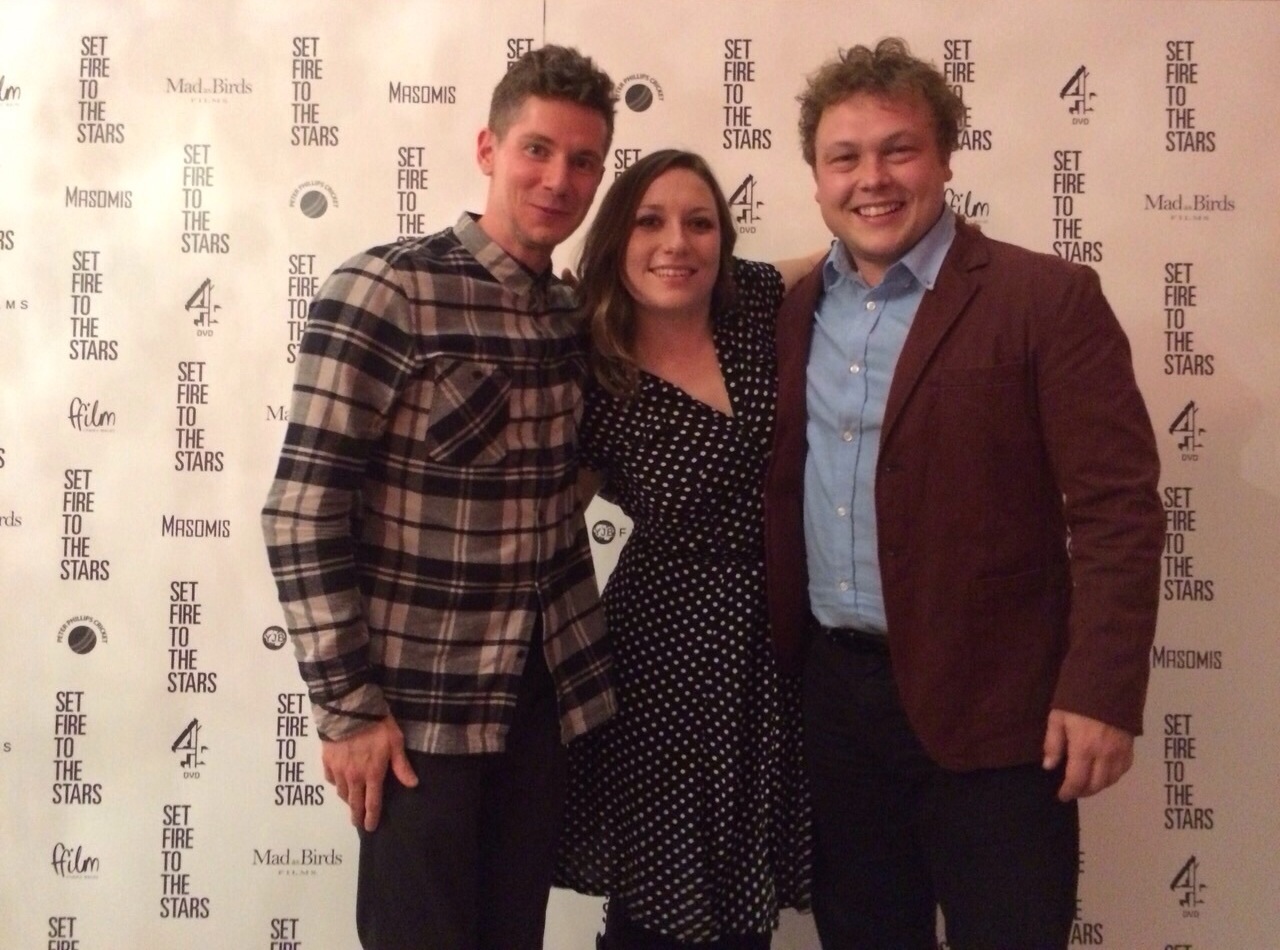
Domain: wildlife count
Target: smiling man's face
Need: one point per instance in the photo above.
(880, 176)
(543, 173)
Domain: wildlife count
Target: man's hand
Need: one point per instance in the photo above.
(357, 766)
(1097, 753)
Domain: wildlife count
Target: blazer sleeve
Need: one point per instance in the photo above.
(1103, 453)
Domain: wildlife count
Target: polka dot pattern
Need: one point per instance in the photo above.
(690, 805)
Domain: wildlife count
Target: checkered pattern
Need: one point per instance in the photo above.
(424, 508)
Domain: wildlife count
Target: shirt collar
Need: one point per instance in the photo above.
(921, 263)
(545, 288)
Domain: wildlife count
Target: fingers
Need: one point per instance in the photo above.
(357, 764)
(1097, 754)
(370, 805)
(1055, 740)
(355, 799)
(1076, 778)
(404, 772)
(1087, 777)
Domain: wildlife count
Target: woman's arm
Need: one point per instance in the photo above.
(793, 268)
(589, 482)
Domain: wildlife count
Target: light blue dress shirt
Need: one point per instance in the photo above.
(857, 339)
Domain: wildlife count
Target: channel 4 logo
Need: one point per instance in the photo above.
(191, 749)
(1188, 888)
(1078, 97)
(201, 305)
(1188, 432)
(745, 207)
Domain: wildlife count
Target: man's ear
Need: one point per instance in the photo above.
(486, 145)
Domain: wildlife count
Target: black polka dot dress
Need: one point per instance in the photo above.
(690, 806)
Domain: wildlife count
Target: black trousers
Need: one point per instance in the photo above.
(897, 836)
(464, 860)
(621, 933)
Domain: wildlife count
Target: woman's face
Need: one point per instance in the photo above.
(673, 254)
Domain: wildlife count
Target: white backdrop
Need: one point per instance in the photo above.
(175, 179)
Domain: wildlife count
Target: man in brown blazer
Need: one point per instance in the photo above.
(963, 536)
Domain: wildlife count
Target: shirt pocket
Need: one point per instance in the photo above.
(469, 415)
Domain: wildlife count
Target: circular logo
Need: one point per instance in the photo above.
(82, 639)
(273, 638)
(82, 634)
(638, 97)
(604, 531)
(313, 204)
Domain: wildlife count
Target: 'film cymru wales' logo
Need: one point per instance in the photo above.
(10, 94)
(969, 207)
(73, 862)
(87, 416)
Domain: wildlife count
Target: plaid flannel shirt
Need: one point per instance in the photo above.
(424, 509)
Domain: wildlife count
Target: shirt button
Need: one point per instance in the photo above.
(871, 305)
(855, 368)
(844, 585)
(842, 511)
(846, 436)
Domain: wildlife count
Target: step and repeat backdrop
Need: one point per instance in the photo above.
(175, 181)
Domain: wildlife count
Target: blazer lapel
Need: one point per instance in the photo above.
(939, 309)
(794, 335)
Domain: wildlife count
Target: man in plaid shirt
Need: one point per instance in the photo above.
(426, 538)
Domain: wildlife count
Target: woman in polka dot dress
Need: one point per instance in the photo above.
(688, 810)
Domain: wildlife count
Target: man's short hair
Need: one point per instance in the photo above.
(552, 72)
(889, 70)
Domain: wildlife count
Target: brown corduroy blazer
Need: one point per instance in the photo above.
(1020, 527)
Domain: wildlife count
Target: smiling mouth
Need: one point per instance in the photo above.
(879, 210)
(671, 272)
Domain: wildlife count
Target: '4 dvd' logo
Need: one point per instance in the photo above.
(745, 207)
(1188, 432)
(188, 743)
(1187, 884)
(201, 304)
(1076, 92)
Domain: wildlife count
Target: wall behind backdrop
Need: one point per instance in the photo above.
(175, 181)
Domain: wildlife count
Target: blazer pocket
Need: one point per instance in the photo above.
(1003, 374)
(1019, 610)
(987, 415)
(469, 415)
(1006, 587)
